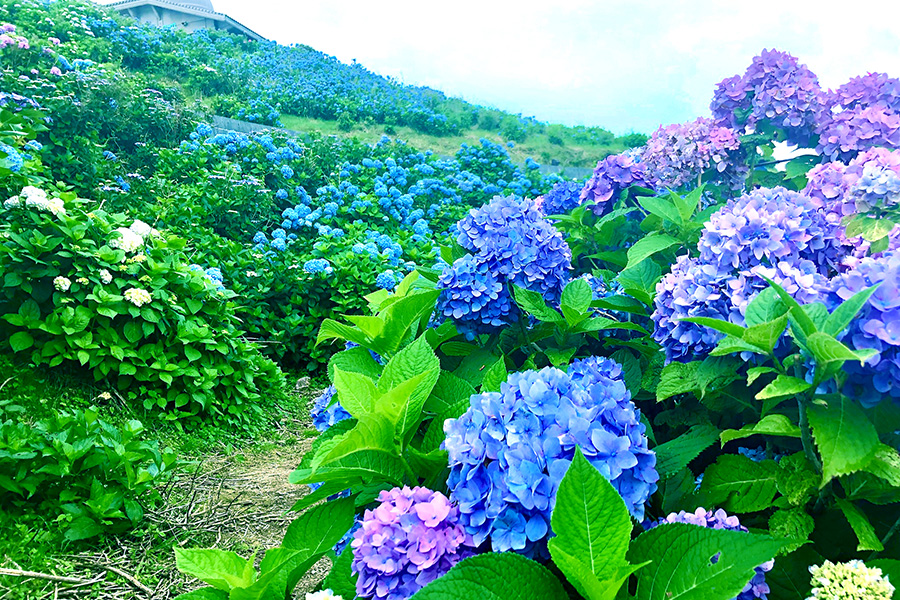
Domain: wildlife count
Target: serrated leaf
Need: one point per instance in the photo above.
(494, 376)
(783, 386)
(533, 303)
(493, 576)
(726, 327)
(682, 567)
(576, 299)
(448, 391)
(826, 349)
(648, 246)
(677, 378)
(355, 392)
(792, 524)
(739, 485)
(846, 438)
(676, 454)
(864, 531)
(221, 569)
(796, 479)
(416, 361)
(766, 306)
(774, 424)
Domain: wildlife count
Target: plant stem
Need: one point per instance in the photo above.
(887, 537)
(806, 437)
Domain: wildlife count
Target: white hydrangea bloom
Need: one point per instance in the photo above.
(137, 296)
(141, 228)
(105, 276)
(62, 284)
(12, 202)
(323, 595)
(851, 580)
(129, 242)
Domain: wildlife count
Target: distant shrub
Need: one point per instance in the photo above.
(346, 122)
(82, 287)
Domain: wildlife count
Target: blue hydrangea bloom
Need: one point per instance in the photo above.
(564, 196)
(260, 238)
(386, 280)
(475, 297)
(317, 265)
(287, 172)
(14, 160)
(279, 244)
(510, 450)
(326, 413)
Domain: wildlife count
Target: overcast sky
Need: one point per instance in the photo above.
(622, 65)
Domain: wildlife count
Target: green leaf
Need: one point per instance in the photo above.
(133, 331)
(448, 391)
(871, 229)
(792, 524)
(21, 340)
(677, 378)
(682, 567)
(782, 386)
(739, 485)
(662, 208)
(493, 576)
(676, 454)
(320, 527)
(83, 528)
(218, 568)
(841, 317)
(591, 522)
(355, 360)
(799, 316)
(796, 479)
(773, 424)
(640, 280)
(648, 246)
(30, 311)
(886, 465)
(494, 376)
(766, 335)
(864, 531)
(331, 329)
(355, 392)
(415, 361)
(826, 349)
(846, 438)
(688, 203)
(206, 593)
(341, 580)
(534, 304)
(766, 306)
(726, 327)
(576, 301)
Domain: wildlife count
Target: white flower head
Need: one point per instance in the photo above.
(62, 284)
(851, 580)
(141, 228)
(12, 202)
(105, 276)
(323, 595)
(137, 296)
(129, 240)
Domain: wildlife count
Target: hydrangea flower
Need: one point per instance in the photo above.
(775, 88)
(563, 197)
(128, 240)
(510, 450)
(611, 176)
(861, 114)
(137, 296)
(12, 157)
(62, 283)
(677, 155)
(324, 413)
(323, 595)
(756, 587)
(876, 327)
(317, 265)
(105, 276)
(386, 280)
(852, 580)
(36, 198)
(410, 539)
(475, 297)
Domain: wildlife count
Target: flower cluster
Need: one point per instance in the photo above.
(62, 284)
(852, 580)
(410, 539)
(776, 89)
(323, 595)
(326, 411)
(678, 155)
(611, 176)
(36, 199)
(756, 587)
(774, 233)
(137, 296)
(131, 239)
(510, 450)
(875, 327)
(861, 114)
(564, 196)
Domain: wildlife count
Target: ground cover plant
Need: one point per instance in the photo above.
(673, 379)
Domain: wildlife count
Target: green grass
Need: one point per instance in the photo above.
(537, 146)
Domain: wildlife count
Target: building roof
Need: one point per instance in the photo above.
(201, 8)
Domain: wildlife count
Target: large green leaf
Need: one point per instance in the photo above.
(846, 438)
(506, 576)
(591, 522)
(840, 318)
(827, 350)
(774, 424)
(221, 569)
(576, 300)
(675, 454)
(416, 362)
(682, 567)
(766, 306)
(340, 579)
(495, 376)
(320, 527)
(355, 392)
(649, 245)
(864, 531)
(640, 280)
(738, 484)
(533, 303)
(783, 386)
(21, 340)
(355, 360)
(400, 317)
(449, 390)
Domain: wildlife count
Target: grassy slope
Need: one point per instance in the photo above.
(537, 146)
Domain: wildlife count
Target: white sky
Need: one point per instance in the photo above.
(623, 65)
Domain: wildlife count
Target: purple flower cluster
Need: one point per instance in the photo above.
(775, 88)
(863, 113)
(611, 176)
(510, 450)
(756, 587)
(324, 413)
(677, 155)
(511, 242)
(877, 326)
(410, 539)
(772, 232)
(563, 197)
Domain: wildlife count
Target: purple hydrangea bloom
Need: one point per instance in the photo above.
(563, 197)
(510, 450)
(611, 176)
(863, 113)
(768, 225)
(876, 326)
(756, 587)
(873, 179)
(324, 413)
(775, 88)
(677, 155)
(410, 539)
